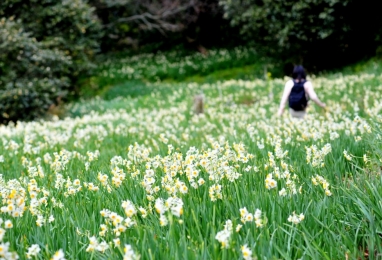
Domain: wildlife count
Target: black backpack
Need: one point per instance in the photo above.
(297, 97)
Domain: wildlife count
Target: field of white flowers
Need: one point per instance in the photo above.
(145, 178)
(161, 65)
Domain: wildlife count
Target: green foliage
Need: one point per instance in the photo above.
(43, 54)
(31, 74)
(302, 20)
(321, 33)
(70, 26)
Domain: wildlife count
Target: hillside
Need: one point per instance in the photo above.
(136, 172)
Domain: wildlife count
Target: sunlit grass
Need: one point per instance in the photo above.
(235, 182)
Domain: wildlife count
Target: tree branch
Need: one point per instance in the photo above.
(158, 15)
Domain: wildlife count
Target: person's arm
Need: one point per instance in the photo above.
(312, 94)
(287, 89)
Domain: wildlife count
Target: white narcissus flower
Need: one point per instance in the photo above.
(33, 250)
(247, 253)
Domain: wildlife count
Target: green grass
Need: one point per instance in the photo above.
(238, 143)
(246, 73)
(173, 67)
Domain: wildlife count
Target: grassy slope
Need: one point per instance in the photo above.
(135, 118)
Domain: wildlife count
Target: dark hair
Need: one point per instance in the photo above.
(298, 72)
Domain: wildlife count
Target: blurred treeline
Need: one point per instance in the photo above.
(47, 45)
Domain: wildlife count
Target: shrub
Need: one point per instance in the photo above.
(42, 55)
(30, 76)
(322, 33)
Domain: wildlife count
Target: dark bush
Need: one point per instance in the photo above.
(44, 47)
(323, 34)
(162, 25)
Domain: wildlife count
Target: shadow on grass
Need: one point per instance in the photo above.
(127, 89)
(134, 89)
(248, 72)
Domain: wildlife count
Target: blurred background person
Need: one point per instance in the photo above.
(298, 91)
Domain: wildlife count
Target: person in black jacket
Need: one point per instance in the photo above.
(297, 92)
